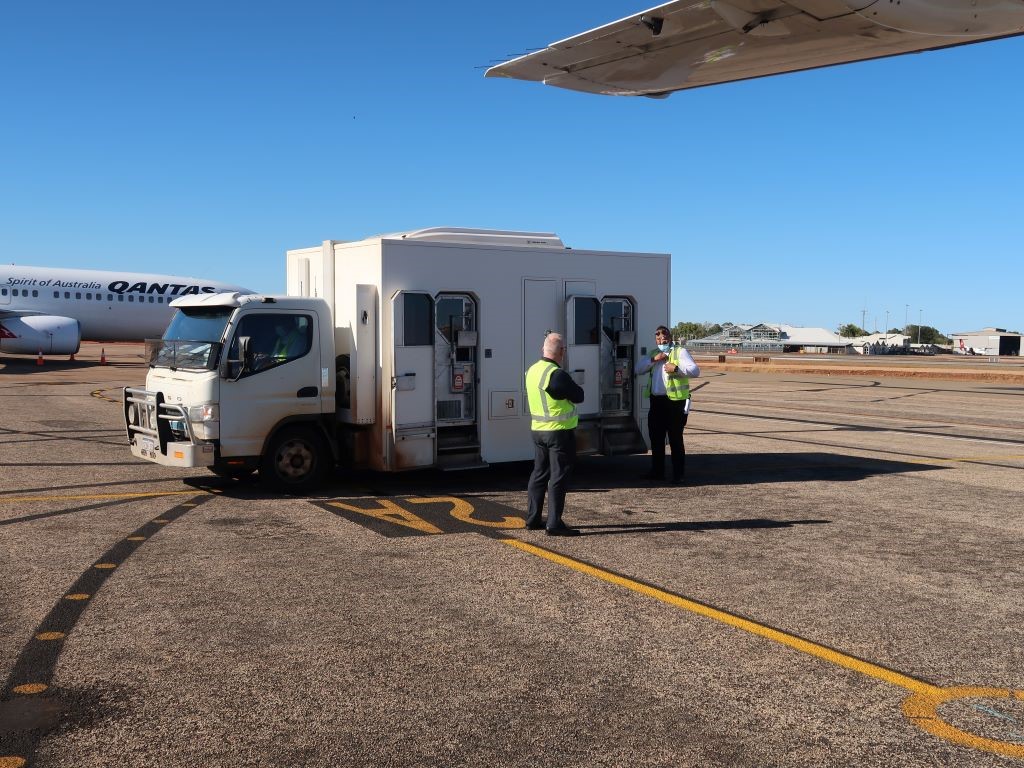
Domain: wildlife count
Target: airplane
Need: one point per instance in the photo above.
(50, 311)
(695, 43)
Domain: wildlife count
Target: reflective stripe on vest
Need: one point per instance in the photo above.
(546, 412)
(676, 387)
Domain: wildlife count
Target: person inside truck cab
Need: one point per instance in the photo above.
(292, 341)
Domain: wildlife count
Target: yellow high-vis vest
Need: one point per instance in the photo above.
(547, 413)
(677, 386)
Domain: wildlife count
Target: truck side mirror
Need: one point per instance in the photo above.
(235, 367)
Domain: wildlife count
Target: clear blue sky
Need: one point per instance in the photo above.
(207, 138)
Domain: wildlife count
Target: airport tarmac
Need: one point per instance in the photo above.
(838, 583)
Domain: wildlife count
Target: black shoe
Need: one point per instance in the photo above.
(534, 526)
(562, 530)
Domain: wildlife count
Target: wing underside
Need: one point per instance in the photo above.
(688, 44)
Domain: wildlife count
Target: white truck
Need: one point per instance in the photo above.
(399, 352)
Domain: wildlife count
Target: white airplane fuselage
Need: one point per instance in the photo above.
(107, 305)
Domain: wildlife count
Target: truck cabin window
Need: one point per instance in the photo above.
(274, 339)
(192, 340)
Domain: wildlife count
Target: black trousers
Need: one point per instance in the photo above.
(554, 453)
(667, 417)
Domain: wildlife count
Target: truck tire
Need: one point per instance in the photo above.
(297, 460)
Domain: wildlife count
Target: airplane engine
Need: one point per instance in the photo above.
(946, 17)
(31, 334)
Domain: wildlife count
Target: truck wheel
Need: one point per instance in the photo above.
(296, 460)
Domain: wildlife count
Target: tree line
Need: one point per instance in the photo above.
(926, 333)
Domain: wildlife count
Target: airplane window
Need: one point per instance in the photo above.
(131, 298)
(3, 291)
(151, 300)
(67, 294)
(35, 294)
(56, 294)
(120, 297)
(78, 295)
(88, 296)
(110, 297)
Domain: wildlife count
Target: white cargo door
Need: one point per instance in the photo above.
(411, 430)
(583, 349)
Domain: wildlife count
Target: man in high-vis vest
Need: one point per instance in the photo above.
(552, 396)
(668, 387)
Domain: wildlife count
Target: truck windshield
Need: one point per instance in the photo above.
(191, 341)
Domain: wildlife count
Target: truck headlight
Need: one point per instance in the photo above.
(199, 414)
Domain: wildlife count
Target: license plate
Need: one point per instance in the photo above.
(148, 445)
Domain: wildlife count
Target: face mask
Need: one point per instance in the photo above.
(664, 347)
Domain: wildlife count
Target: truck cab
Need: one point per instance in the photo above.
(239, 383)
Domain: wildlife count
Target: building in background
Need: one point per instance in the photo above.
(772, 337)
(987, 341)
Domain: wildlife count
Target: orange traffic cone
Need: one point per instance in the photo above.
(39, 359)
(103, 356)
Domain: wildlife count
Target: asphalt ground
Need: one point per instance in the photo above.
(838, 583)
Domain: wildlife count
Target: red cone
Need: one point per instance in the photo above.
(39, 360)
(103, 356)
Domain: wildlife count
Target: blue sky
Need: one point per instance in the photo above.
(207, 138)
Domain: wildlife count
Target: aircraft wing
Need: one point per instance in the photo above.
(689, 44)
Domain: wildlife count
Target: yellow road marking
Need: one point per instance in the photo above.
(391, 513)
(798, 643)
(30, 688)
(94, 496)
(13, 762)
(921, 707)
(463, 510)
(76, 596)
(135, 538)
(105, 566)
(50, 636)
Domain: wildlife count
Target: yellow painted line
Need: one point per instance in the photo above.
(12, 761)
(921, 707)
(50, 636)
(390, 512)
(463, 510)
(105, 566)
(94, 496)
(30, 688)
(136, 538)
(160, 520)
(797, 643)
(77, 596)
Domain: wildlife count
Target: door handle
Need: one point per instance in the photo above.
(307, 392)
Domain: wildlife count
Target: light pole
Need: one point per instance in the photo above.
(886, 329)
(920, 314)
(906, 320)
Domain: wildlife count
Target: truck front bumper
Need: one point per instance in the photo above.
(178, 454)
